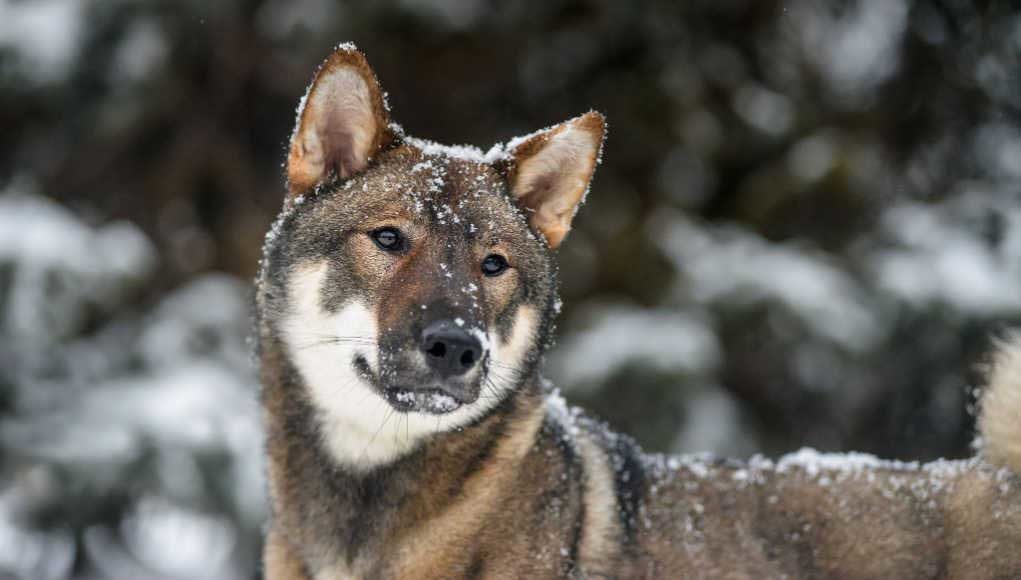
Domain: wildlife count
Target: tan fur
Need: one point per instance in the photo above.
(280, 561)
(416, 554)
(526, 488)
(600, 538)
(1000, 418)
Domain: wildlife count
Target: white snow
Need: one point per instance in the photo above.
(766, 110)
(29, 553)
(197, 405)
(814, 462)
(468, 153)
(440, 403)
(854, 49)
(728, 264)
(62, 266)
(199, 320)
(202, 542)
(616, 334)
(44, 36)
(942, 257)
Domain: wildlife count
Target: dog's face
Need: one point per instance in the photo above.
(416, 280)
(420, 282)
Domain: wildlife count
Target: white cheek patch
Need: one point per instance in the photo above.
(359, 427)
(507, 358)
(323, 347)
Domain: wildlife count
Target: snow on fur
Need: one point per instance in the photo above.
(468, 153)
(1000, 418)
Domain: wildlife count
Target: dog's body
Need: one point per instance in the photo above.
(406, 296)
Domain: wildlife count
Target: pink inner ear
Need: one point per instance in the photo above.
(552, 173)
(342, 123)
(342, 159)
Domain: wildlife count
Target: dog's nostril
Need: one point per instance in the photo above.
(449, 349)
(438, 349)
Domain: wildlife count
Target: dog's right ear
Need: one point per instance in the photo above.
(342, 122)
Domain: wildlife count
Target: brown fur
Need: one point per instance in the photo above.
(495, 519)
(875, 523)
(530, 489)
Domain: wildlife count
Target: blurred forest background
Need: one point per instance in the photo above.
(804, 232)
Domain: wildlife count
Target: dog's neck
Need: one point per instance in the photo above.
(371, 508)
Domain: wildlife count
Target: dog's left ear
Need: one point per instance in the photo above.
(342, 122)
(550, 171)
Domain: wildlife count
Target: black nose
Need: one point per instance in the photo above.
(450, 349)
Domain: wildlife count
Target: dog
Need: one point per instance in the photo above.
(406, 295)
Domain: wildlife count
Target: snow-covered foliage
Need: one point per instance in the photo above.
(803, 234)
(24, 25)
(141, 422)
(58, 270)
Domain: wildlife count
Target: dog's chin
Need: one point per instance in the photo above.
(432, 401)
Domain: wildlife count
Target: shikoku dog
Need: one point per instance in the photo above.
(407, 294)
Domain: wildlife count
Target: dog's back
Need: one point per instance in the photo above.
(406, 297)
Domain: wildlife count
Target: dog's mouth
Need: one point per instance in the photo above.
(432, 401)
(435, 399)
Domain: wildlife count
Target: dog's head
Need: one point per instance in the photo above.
(412, 284)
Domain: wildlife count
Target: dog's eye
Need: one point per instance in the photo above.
(389, 239)
(494, 265)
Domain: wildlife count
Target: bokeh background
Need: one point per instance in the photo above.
(804, 232)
